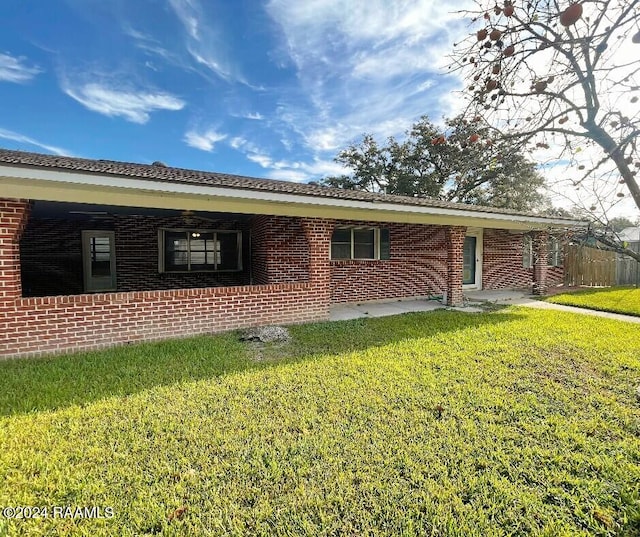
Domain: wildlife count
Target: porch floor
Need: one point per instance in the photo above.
(472, 299)
(355, 310)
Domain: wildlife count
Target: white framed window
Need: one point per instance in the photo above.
(527, 251)
(360, 243)
(199, 250)
(554, 258)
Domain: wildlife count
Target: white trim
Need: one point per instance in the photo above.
(479, 236)
(352, 230)
(123, 183)
(527, 245)
(555, 251)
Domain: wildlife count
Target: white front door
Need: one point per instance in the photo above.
(472, 260)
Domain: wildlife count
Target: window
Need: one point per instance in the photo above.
(99, 261)
(527, 251)
(554, 256)
(555, 252)
(197, 250)
(360, 243)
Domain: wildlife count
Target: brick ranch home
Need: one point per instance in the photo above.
(96, 253)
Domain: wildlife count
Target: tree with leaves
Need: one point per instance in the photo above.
(459, 163)
(620, 223)
(560, 76)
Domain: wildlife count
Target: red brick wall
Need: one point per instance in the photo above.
(502, 267)
(423, 261)
(418, 266)
(455, 244)
(502, 261)
(280, 252)
(540, 256)
(13, 218)
(43, 325)
(317, 233)
(555, 276)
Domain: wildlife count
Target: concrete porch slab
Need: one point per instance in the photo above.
(498, 296)
(473, 304)
(343, 312)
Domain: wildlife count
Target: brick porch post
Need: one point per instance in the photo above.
(540, 241)
(318, 233)
(455, 243)
(13, 219)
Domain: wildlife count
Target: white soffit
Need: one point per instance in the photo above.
(59, 185)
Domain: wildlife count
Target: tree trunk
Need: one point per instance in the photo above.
(602, 138)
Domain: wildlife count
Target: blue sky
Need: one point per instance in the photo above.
(268, 89)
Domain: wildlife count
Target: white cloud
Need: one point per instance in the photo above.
(237, 142)
(133, 105)
(205, 39)
(284, 169)
(304, 171)
(295, 176)
(205, 140)
(363, 66)
(13, 69)
(21, 138)
(188, 12)
(264, 160)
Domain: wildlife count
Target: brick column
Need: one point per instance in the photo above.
(455, 242)
(318, 233)
(13, 218)
(540, 248)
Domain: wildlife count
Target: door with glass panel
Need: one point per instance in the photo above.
(99, 261)
(469, 261)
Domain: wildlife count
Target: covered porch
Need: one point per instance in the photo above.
(88, 276)
(77, 276)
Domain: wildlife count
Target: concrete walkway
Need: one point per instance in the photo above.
(520, 298)
(473, 304)
(538, 304)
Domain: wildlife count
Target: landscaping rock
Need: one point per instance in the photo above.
(266, 334)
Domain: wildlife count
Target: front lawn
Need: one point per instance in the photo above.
(514, 422)
(624, 300)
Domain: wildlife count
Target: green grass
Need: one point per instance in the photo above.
(624, 300)
(338, 432)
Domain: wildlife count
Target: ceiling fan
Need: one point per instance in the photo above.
(93, 214)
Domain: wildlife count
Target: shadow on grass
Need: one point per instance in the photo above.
(35, 384)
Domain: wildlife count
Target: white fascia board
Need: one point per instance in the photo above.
(149, 185)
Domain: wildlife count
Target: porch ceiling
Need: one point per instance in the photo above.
(72, 210)
(103, 189)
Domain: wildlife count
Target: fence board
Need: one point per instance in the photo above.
(590, 267)
(628, 269)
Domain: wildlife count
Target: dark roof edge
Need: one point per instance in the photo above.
(167, 174)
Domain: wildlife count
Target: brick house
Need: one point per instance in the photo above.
(96, 253)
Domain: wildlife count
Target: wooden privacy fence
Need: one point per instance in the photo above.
(589, 266)
(627, 268)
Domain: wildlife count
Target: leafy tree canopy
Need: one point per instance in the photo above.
(460, 163)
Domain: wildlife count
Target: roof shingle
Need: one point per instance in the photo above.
(161, 173)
